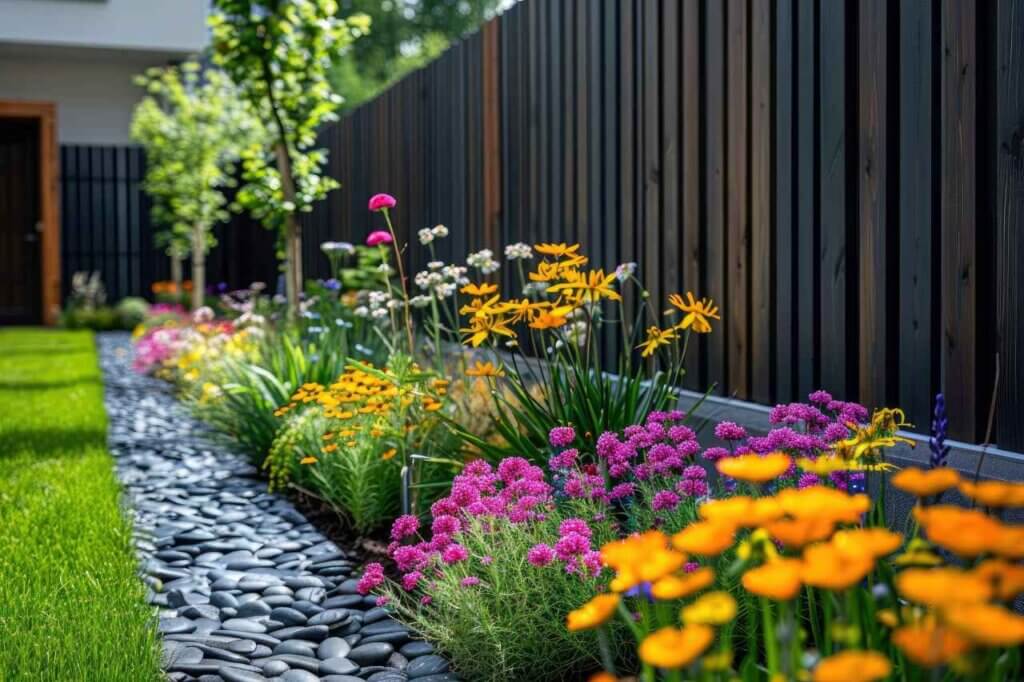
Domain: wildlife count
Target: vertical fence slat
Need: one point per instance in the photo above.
(1010, 221)
(804, 202)
(957, 190)
(916, 342)
(784, 374)
(692, 224)
(760, 201)
(714, 186)
(737, 310)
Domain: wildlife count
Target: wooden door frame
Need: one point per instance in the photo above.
(49, 210)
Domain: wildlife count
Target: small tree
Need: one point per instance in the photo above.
(193, 126)
(280, 53)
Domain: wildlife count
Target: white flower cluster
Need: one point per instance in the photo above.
(429, 234)
(535, 288)
(483, 261)
(337, 247)
(379, 303)
(440, 280)
(518, 251)
(625, 271)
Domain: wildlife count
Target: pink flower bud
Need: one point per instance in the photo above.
(378, 237)
(381, 201)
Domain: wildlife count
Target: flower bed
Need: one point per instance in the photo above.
(558, 518)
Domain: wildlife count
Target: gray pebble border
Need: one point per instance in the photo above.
(247, 588)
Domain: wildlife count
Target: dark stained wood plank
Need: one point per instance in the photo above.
(690, 169)
(760, 201)
(650, 170)
(671, 186)
(578, 153)
(491, 161)
(737, 310)
(627, 141)
(611, 134)
(916, 280)
(807, 358)
(1010, 220)
(832, 188)
(714, 188)
(538, 138)
(958, 194)
(873, 182)
(782, 252)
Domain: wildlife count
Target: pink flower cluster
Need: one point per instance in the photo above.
(516, 492)
(573, 549)
(156, 346)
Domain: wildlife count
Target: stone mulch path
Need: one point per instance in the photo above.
(246, 588)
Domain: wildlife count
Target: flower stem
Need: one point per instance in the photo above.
(401, 277)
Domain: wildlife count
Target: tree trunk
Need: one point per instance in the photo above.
(176, 274)
(292, 233)
(198, 266)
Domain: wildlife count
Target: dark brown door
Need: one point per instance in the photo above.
(19, 222)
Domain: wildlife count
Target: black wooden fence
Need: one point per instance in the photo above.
(106, 228)
(844, 178)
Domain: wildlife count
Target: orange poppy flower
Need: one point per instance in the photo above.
(853, 666)
(1007, 579)
(929, 644)
(640, 558)
(922, 483)
(593, 614)
(779, 580)
(987, 624)
(679, 586)
(674, 648)
(827, 567)
(707, 538)
(817, 501)
(942, 586)
(755, 468)
(994, 493)
(873, 542)
(795, 533)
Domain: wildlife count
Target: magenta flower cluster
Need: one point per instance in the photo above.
(573, 549)
(515, 491)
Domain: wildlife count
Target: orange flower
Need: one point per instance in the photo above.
(1006, 579)
(966, 532)
(562, 250)
(827, 567)
(796, 533)
(675, 648)
(308, 460)
(922, 483)
(994, 493)
(602, 676)
(942, 586)
(714, 608)
(593, 614)
(697, 312)
(987, 624)
(707, 538)
(1009, 542)
(679, 586)
(779, 580)
(755, 468)
(484, 369)
(873, 542)
(853, 666)
(817, 501)
(639, 559)
(388, 454)
(929, 644)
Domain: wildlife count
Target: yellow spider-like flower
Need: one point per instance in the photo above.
(482, 289)
(482, 328)
(484, 369)
(588, 287)
(656, 337)
(524, 310)
(697, 312)
(562, 250)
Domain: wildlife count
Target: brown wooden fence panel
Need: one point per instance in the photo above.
(845, 179)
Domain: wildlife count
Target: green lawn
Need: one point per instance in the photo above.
(71, 604)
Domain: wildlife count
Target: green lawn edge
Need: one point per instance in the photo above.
(72, 606)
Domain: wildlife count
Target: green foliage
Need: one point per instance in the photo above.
(512, 625)
(72, 606)
(279, 53)
(364, 275)
(193, 126)
(363, 488)
(132, 311)
(406, 36)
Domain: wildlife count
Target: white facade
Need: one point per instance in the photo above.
(82, 55)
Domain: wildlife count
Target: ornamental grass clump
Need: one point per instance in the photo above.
(823, 593)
